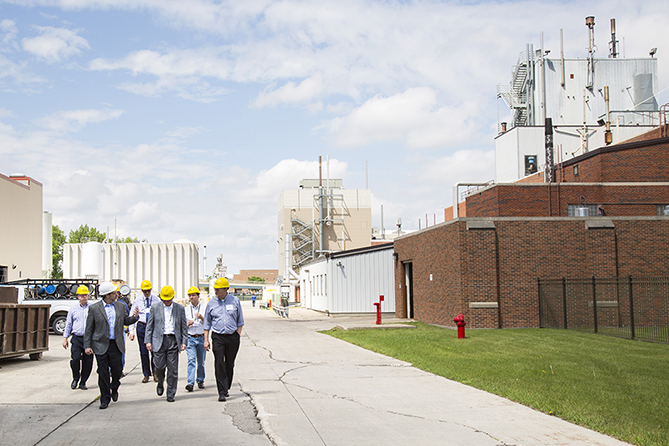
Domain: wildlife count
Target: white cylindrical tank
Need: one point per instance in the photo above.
(91, 259)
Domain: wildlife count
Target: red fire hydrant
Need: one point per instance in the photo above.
(378, 310)
(460, 322)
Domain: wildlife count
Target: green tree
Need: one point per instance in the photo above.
(256, 279)
(127, 240)
(85, 234)
(57, 242)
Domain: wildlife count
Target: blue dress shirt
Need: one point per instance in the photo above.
(223, 316)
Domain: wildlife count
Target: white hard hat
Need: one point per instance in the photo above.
(106, 288)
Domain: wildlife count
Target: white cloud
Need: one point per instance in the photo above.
(413, 116)
(10, 31)
(75, 120)
(54, 44)
(291, 93)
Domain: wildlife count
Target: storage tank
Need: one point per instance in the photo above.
(91, 259)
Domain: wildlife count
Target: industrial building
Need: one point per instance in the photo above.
(318, 218)
(350, 282)
(175, 264)
(570, 200)
(590, 102)
(22, 254)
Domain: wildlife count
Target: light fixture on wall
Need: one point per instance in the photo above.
(13, 265)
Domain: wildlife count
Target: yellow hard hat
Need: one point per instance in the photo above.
(193, 290)
(221, 282)
(167, 293)
(83, 289)
(146, 285)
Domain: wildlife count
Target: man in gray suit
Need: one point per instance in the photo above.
(165, 336)
(104, 336)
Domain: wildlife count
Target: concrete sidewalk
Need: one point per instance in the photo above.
(307, 388)
(312, 389)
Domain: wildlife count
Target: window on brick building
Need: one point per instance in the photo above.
(576, 170)
(663, 210)
(573, 210)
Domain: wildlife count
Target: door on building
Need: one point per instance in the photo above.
(408, 284)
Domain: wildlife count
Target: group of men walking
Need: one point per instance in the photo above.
(163, 329)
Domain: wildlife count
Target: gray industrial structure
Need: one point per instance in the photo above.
(590, 102)
(318, 218)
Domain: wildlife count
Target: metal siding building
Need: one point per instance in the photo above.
(350, 281)
(174, 264)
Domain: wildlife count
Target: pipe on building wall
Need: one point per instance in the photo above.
(456, 187)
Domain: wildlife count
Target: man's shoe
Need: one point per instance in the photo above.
(159, 390)
(115, 396)
(170, 399)
(226, 394)
(155, 378)
(200, 385)
(82, 386)
(74, 384)
(104, 405)
(221, 397)
(145, 379)
(189, 387)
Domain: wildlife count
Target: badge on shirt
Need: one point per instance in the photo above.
(230, 307)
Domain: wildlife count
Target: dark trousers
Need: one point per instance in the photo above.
(225, 348)
(80, 363)
(111, 359)
(147, 364)
(168, 358)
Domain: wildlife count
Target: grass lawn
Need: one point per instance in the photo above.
(615, 386)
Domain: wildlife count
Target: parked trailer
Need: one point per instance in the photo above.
(24, 330)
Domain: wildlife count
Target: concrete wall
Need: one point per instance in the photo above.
(21, 227)
(487, 268)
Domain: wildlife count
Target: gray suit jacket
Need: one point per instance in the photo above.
(155, 325)
(96, 335)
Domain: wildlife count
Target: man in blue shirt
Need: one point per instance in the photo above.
(75, 325)
(224, 318)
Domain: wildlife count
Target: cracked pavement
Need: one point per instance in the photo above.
(312, 389)
(293, 387)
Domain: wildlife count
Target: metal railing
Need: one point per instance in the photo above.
(627, 307)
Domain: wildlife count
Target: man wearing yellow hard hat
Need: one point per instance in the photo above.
(165, 336)
(75, 325)
(143, 304)
(195, 349)
(224, 318)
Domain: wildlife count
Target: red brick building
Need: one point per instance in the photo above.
(486, 265)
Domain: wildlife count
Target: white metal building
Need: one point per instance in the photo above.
(175, 264)
(20, 228)
(580, 96)
(349, 282)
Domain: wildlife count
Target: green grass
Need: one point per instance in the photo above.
(615, 386)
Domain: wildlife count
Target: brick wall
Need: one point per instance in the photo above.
(502, 263)
(543, 200)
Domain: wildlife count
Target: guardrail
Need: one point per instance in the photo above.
(281, 311)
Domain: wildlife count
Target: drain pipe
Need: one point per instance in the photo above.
(456, 188)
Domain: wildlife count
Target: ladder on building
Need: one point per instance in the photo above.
(515, 95)
(302, 241)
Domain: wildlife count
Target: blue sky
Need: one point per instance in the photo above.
(185, 119)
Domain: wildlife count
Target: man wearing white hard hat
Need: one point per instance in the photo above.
(75, 325)
(166, 332)
(104, 336)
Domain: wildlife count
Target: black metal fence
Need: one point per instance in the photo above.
(627, 307)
